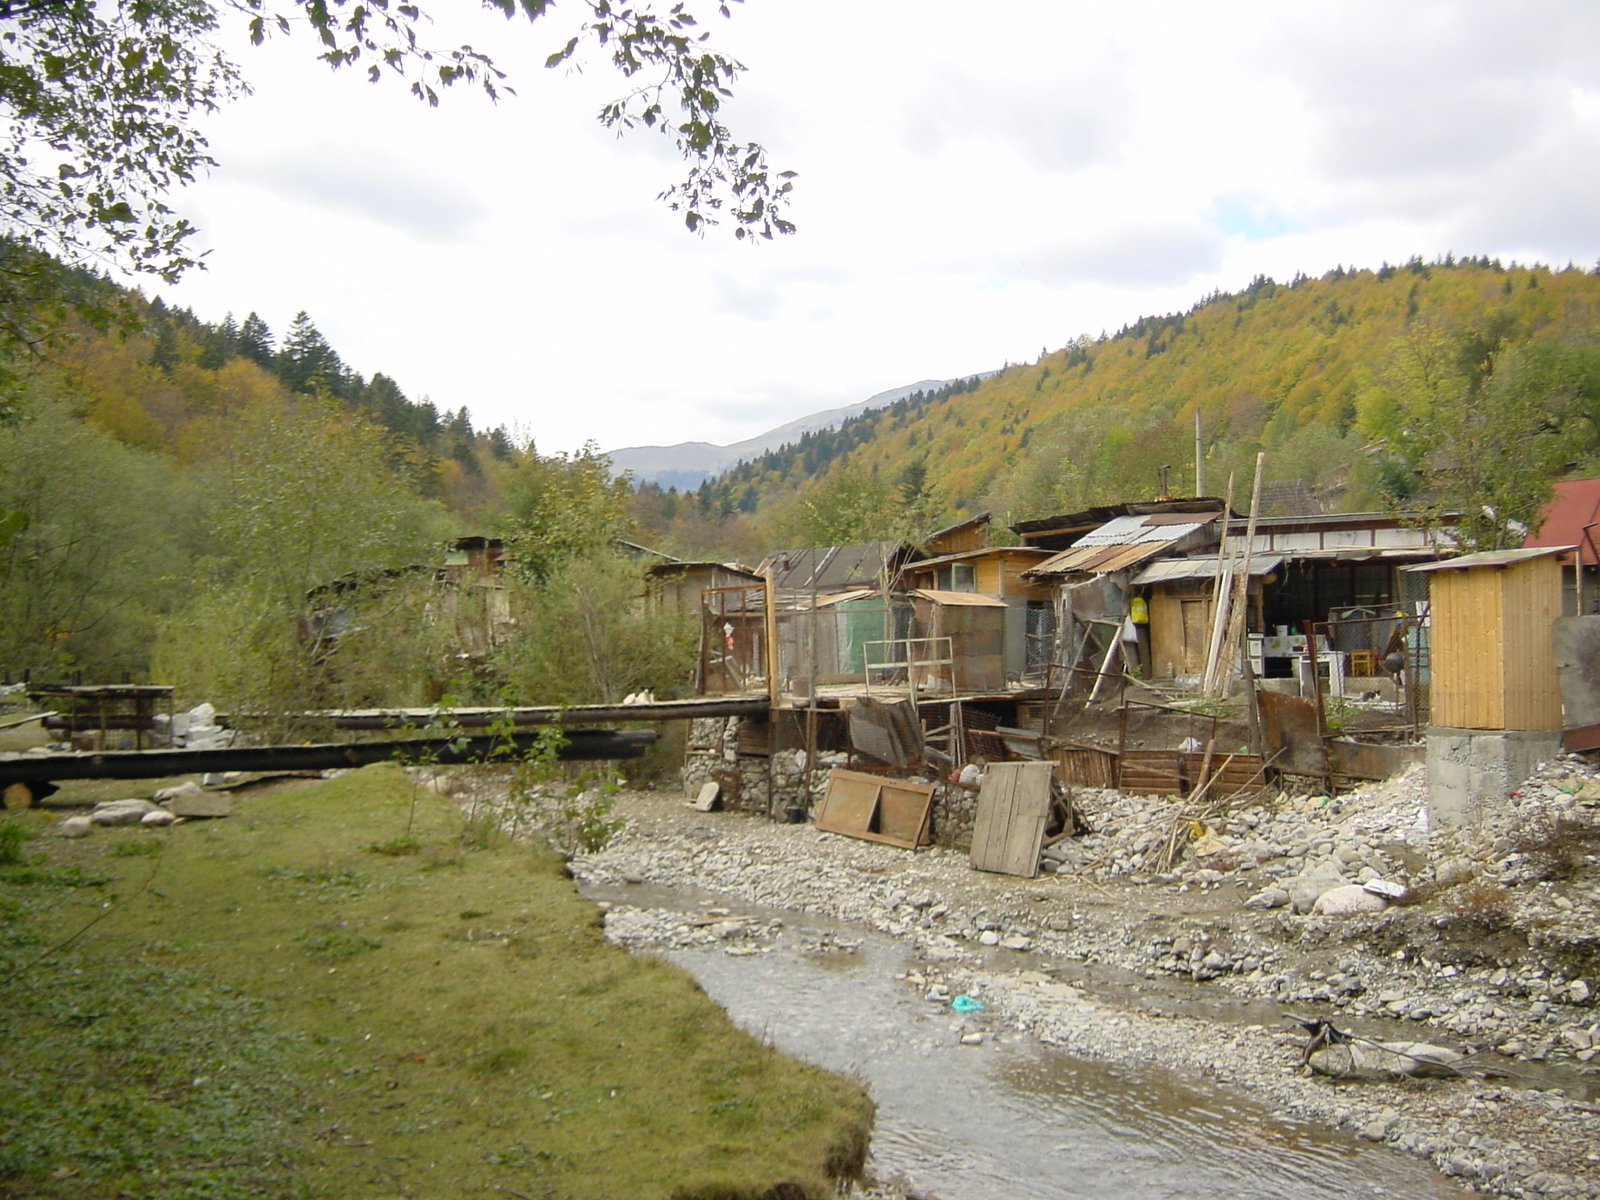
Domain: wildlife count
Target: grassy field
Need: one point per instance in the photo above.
(343, 991)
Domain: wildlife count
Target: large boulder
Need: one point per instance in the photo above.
(1361, 1059)
(1305, 890)
(121, 812)
(1348, 901)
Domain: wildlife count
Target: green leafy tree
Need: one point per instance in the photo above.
(91, 538)
(850, 504)
(586, 637)
(1479, 424)
(103, 102)
(561, 506)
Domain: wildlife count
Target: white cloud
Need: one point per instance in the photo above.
(380, 187)
(974, 183)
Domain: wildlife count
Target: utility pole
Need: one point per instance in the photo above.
(1199, 457)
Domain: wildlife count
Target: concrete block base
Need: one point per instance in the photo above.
(1471, 772)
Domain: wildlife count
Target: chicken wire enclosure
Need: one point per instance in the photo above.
(733, 640)
(1040, 650)
(1394, 647)
(827, 641)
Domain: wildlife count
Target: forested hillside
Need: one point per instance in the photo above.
(173, 492)
(176, 496)
(1402, 385)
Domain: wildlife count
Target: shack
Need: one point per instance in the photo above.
(676, 587)
(1496, 704)
(1092, 578)
(1000, 573)
(1492, 614)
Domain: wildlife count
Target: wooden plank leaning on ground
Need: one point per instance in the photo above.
(1013, 806)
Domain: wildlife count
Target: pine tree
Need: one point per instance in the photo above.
(255, 342)
(307, 363)
(219, 344)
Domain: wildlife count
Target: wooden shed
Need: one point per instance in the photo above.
(975, 625)
(1493, 657)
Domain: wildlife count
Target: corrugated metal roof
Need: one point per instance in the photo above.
(829, 568)
(967, 599)
(1491, 558)
(1120, 543)
(845, 597)
(1174, 569)
(1132, 530)
(968, 555)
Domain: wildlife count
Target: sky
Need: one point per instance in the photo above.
(976, 184)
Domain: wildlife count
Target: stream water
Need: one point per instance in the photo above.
(1012, 1119)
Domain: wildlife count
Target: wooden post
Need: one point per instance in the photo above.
(772, 640)
(1234, 643)
(1220, 593)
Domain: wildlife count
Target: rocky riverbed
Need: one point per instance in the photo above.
(1179, 937)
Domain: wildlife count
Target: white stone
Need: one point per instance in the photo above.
(1348, 901)
(158, 817)
(76, 827)
(989, 937)
(121, 812)
(188, 787)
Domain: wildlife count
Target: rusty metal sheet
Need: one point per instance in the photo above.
(1290, 735)
(1585, 737)
(1367, 760)
(1577, 641)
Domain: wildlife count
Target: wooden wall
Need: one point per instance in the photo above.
(1180, 626)
(1494, 661)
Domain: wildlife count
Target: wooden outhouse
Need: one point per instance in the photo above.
(1493, 658)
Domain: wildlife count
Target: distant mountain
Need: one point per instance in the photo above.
(688, 464)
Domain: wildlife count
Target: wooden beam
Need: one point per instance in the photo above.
(400, 719)
(582, 745)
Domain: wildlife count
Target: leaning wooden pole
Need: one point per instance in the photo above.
(1220, 593)
(1237, 625)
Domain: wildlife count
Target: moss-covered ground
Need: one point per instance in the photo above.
(268, 1005)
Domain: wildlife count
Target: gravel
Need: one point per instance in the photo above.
(1192, 967)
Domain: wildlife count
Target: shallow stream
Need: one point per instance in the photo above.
(1012, 1119)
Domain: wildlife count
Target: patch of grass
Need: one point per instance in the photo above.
(333, 942)
(12, 837)
(36, 875)
(146, 847)
(296, 1054)
(395, 847)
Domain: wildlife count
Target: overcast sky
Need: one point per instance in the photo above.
(976, 183)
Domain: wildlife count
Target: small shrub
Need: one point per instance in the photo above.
(1556, 847)
(1482, 903)
(336, 942)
